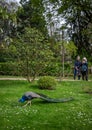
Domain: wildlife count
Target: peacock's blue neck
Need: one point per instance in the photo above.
(23, 99)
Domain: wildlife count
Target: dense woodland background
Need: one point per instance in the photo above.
(43, 37)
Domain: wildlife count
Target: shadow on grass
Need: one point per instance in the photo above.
(38, 103)
(34, 86)
(34, 103)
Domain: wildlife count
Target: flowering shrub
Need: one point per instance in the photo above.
(47, 82)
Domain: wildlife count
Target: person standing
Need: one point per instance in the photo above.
(77, 71)
(84, 69)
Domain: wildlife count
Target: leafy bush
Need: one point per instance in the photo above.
(87, 89)
(9, 68)
(47, 82)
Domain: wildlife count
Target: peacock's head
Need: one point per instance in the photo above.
(23, 99)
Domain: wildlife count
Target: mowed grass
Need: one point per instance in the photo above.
(73, 115)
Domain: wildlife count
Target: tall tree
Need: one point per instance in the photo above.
(7, 28)
(30, 14)
(33, 53)
(7, 20)
(78, 16)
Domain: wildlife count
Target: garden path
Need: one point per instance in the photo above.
(15, 78)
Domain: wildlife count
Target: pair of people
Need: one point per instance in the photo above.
(81, 68)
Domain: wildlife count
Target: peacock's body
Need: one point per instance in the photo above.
(28, 96)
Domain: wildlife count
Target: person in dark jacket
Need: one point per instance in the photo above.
(77, 71)
(84, 69)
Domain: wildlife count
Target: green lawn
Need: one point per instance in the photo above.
(73, 115)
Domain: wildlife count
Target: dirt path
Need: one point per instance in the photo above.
(12, 79)
(9, 78)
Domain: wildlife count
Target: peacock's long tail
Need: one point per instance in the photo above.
(47, 99)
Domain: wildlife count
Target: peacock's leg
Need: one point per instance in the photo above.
(28, 103)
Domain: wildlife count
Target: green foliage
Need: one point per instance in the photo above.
(30, 51)
(30, 14)
(77, 15)
(7, 21)
(71, 48)
(87, 89)
(68, 47)
(47, 82)
(8, 53)
(52, 69)
(9, 68)
(34, 52)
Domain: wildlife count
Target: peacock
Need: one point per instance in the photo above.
(28, 96)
